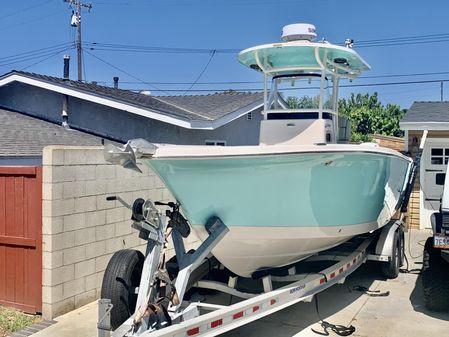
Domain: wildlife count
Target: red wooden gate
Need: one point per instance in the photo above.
(21, 238)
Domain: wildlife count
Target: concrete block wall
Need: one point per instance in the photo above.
(81, 230)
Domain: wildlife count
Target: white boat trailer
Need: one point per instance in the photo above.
(198, 318)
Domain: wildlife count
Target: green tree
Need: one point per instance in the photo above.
(369, 116)
(304, 102)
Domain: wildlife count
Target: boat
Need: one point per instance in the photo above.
(304, 188)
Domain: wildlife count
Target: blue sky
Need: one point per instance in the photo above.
(27, 25)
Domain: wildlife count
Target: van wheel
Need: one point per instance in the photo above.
(435, 278)
(121, 278)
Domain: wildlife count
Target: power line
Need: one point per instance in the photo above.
(202, 71)
(32, 57)
(45, 59)
(35, 52)
(25, 9)
(394, 41)
(125, 72)
(260, 82)
(341, 86)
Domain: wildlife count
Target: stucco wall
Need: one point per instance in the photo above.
(119, 124)
(81, 230)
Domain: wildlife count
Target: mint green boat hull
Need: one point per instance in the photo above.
(305, 201)
(284, 190)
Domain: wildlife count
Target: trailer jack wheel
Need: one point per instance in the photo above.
(435, 276)
(121, 277)
(390, 269)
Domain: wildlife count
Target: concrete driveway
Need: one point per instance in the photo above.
(399, 314)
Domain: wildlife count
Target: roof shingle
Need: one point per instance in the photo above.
(24, 136)
(425, 112)
(190, 107)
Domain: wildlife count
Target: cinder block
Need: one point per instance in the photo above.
(166, 195)
(84, 236)
(84, 298)
(95, 249)
(74, 221)
(127, 197)
(52, 294)
(51, 260)
(74, 157)
(52, 225)
(94, 155)
(52, 243)
(101, 262)
(158, 183)
(52, 277)
(52, 156)
(59, 308)
(84, 268)
(52, 191)
(61, 207)
(73, 287)
(102, 203)
(148, 182)
(124, 228)
(47, 208)
(115, 215)
(47, 174)
(94, 281)
(85, 204)
(96, 218)
(104, 232)
(62, 173)
(73, 255)
(95, 187)
(115, 244)
(105, 172)
(122, 173)
(84, 172)
(73, 189)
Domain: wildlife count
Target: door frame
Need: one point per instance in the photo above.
(424, 218)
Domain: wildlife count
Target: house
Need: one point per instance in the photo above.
(229, 118)
(433, 117)
(57, 231)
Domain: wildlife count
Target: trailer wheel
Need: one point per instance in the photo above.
(390, 269)
(121, 277)
(435, 278)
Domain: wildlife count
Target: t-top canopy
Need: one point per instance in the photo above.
(303, 56)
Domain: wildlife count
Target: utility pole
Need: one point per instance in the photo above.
(77, 23)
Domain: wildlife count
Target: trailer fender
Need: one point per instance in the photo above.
(385, 244)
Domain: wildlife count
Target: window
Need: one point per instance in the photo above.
(439, 156)
(215, 142)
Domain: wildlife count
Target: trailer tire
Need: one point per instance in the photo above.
(390, 269)
(121, 277)
(435, 278)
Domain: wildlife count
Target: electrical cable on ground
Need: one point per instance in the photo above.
(369, 292)
(340, 330)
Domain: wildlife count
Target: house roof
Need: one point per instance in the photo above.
(191, 111)
(426, 116)
(25, 136)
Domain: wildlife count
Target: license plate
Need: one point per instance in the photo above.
(440, 241)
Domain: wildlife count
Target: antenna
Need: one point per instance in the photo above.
(76, 22)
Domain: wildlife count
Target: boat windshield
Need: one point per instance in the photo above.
(299, 92)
